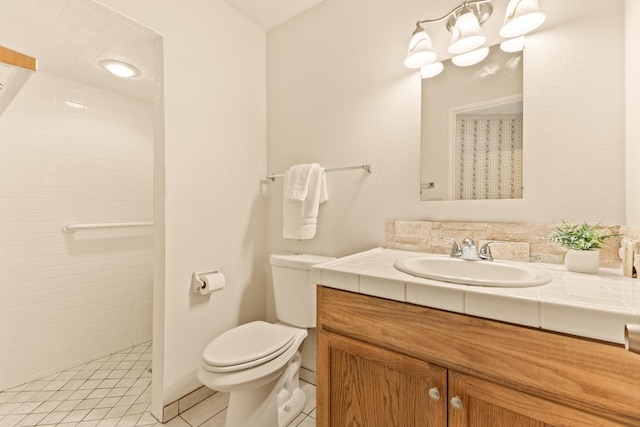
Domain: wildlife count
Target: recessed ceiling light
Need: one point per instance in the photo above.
(119, 68)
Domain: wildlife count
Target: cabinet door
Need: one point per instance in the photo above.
(362, 385)
(478, 403)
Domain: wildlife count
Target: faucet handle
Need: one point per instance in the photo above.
(485, 251)
(455, 249)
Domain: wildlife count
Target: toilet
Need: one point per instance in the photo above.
(257, 363)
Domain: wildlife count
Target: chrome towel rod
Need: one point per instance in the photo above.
(366, 167)
(72, 228)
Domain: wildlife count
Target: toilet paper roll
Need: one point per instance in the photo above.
(211, 282)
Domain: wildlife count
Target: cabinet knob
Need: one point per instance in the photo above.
(434, 393)
(456, 402)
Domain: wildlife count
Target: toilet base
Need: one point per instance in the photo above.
(274, 404)
(291, 399)
(292, 408)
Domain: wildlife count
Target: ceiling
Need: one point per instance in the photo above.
(69, 37)
(271, 13)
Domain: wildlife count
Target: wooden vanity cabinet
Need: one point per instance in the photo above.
(383, 363)
(372, 386)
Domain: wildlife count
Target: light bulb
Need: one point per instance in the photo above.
(470, 58)
(513, 45)
(431, 70)
(119, 68)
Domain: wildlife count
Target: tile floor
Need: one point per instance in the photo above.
(112, 391)
(211, 412)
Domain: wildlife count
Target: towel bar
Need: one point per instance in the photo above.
(366, 167)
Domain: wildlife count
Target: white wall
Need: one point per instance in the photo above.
(632, 186)
(339, 94)
(214, 155)
(69, 298)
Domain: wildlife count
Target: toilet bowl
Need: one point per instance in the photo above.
(258, 363)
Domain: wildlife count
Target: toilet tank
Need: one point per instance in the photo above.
(295, 293)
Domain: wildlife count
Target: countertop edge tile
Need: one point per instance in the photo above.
(589, 322)
(504, 307)
(382, 287)
(608, 299)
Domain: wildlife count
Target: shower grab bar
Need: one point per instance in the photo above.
(366, 167)
(72, 228)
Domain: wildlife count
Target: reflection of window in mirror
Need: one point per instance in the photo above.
(472, 130)
(487, 151)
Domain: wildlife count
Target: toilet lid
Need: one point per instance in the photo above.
(247, 345)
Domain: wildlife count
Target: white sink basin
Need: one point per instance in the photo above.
(474, 273)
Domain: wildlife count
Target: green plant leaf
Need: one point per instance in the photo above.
(581, 237)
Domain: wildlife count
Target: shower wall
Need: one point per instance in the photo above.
(70, 153)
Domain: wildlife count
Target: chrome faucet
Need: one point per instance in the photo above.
(469, 252)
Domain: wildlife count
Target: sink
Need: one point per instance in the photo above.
(474, 273)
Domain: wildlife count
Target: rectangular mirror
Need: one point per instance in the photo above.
(471, 142)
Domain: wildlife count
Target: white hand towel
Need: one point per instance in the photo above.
(301, 216)
(296, 181)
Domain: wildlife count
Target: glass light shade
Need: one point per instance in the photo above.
(431, 70)
(470, 58)
(513, 45)
(466, 35)
(119, 68)
(420, 50)
(522, 17)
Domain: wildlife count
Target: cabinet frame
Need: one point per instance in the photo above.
(585, 375)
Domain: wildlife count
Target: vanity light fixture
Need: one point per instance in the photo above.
(515, 44)
(523, 16)
(467, 38)
(119, 68)
(470, 58)
(431, 70)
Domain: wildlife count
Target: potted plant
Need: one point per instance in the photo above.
(582, 245)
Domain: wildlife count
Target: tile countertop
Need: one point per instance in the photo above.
(589, 305)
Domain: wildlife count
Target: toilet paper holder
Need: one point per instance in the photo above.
(197, 282)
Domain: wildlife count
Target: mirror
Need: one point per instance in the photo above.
(471, 143)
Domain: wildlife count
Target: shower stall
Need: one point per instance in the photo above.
(76, 150)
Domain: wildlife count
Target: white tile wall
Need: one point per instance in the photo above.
(69, 298)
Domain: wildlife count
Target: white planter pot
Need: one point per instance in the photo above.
(582, 261)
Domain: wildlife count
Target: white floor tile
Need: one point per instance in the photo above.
(108, 392)
(113, 392)
(206, 409)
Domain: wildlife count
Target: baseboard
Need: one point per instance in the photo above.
(308, 375)
(186, 402)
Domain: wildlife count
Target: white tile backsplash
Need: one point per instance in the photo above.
(68, 298)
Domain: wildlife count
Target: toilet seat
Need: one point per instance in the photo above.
(247, 345)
